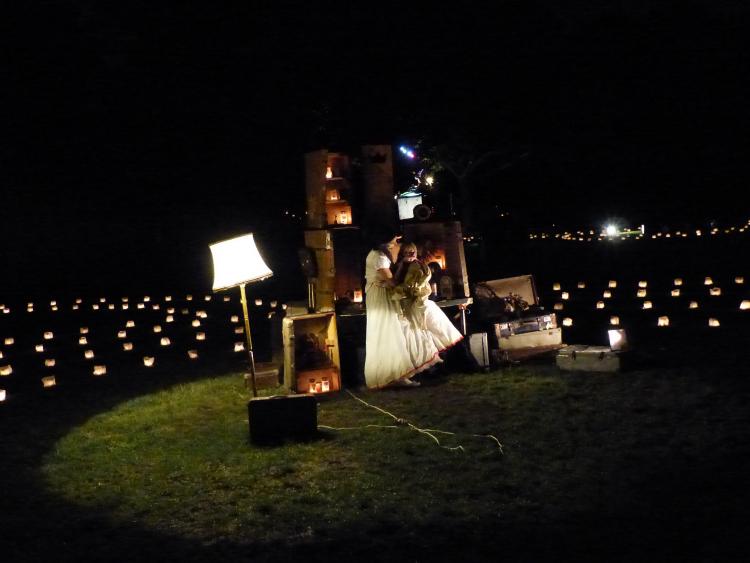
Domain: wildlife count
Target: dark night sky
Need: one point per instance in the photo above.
(132, 128)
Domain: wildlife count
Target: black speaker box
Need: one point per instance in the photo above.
(276, 419)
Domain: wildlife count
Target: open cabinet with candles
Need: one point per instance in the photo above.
(311, 353)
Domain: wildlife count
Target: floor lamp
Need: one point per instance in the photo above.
(237, 262)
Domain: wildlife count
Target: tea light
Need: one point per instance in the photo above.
(157, 328)
(129, 324)
(662, 321)
(614, 320)
(195, 322)
(739, 280)
(201, 314)
(693, 305)
(146, 298)
(227, 299)
(193, 354)
(745, 305)
(6, 370)
(170, 311)
(127, 346)
(148, 361)
(708, 281)
(2, 395)
(9, 341)
(648, 305)
(643, 283)
(79, 301)
(600, 304)
(612, 284)
(675, 293)
(239, 330)
(102, 300)
(49, 362)
(167, 298)
(555, 286)
(165, 341)
(558, 307)
(239, 346)
(49, 381)
(567, 321)
(95, 306)
(207, 298)
(715, 291)
(83, 341)
(122, 334)
(124, 299)
(564, 295)
(100, 370)
(111, 306)
(283, 306)
(641, 293)
(88, 354)
(189, 297)
(713, 322)
(125, 306)
(155, 306)
(48, 335)
(274, 304)
(234, 319)
(39, 347)
(169, 319)
(141, 305)
(200, 335)
(83, 330)
(581, 285)
(607, 294)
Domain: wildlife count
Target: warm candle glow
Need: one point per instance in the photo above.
(165, 341)
(556, 286)
(713, 322)
(614, 320)
(607, 294)
(600, 304)
(567, 321)
(612, 284)
(739, 280)
(239, 346)
(662, 321)
(234, 319)
(693, 305)
(195, 322)
(49, 362)
(643, 283)
(169, 319)
(193, 354)
(745, 305)
(564, 295)
(258, 302)
(157, 328)
(127, 346)
(2, 395)
(357, 296)
(9, 341)
(675, 293)
(715, 291)
(129, 324)
(708, 281)
(678, 281)
(100, 370)
(48, 335)
(581, 285)
(239, 330)
(200, 335)
(148, 361)
(648, 305)
(39, 347)
(84, 330)
(641, 293)
(558, 307)
(83, 340)
(6, 370)
(88, 354)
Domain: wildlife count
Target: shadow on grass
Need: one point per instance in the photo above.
(655, 519)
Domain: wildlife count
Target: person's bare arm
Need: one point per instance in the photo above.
(385, 277)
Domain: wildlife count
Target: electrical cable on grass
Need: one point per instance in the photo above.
(430, 432)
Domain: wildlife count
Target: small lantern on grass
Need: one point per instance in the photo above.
(556, 286)
(227, 299)
(167, 298)
(3, 395)
(200, 335)
(712, 322)
(607, 294)
(49, 335)
(239, 346)
(715, 291)
(234, 319)
(88, 354)
(239, 330)
(648, 305)
(148, 361)
(739, 280)
(675, 293)
(612, 284)
(39, 347)
(9, 341)
(558, 307)
(49, 362)
(567, 321)
(48, 381)
(693, 305)
(129, 324)
(165, 341)
(708, 281)
(614, 320)
(600, 304)
(745, 305)
(100, 370)
(83, 330)
(195, 322)
(641, 293)
(127, 346)
(122, 334)
(643, 283)
(581, 285)
(157, 328)
(678, 281)
(662, 321)
(6, 370)
(83, 341)
(193, 354)
(564, 295)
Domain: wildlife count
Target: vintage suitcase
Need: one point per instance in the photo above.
(480, 349)
(275, 419)
(588, 358)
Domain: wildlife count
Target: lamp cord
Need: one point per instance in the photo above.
(430, 432)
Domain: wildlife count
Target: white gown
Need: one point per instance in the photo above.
(394, 349)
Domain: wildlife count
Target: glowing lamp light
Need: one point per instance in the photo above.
(607, 294)
(122, 334)
(165, 341)
(169, 319)
(127, 346)
(614, 320)
(648, 305)
(6, 370)
(678, 281)
(662, 321)
(567, 321)
(600, 304)
(170, 311)
(675, 293)
(641, 293)
(713, 322)
(49, 362)
(141, 305)
(39, 347)
(193, 354)
(95, 306)
(157, 328)
(745, 305)
(564, 295)
(558, 307)
(239, 330)
(195, 322)
(88, 354)
(715, 291)
(48, 381)
(555, 286)
(258, 302)
(329, 173)
(200, 335)
(148, 361)
(155, 306)
(618, 339)
(111, 306)
(239, 346)
(129, 324)
(100, 370)
(125, 306)
(643, 284)
(167, 298)
(693, 305)
(581, 285)
(201, 314)
(708, 281)
(612, 284)
(227, 299)
(84, 330)
(739, 280)
(48, 335)
(83, 341)
(234, 319)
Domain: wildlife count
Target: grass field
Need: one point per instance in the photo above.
(649, 464)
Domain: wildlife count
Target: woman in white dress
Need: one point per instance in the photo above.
(394, 351)
(413, 290)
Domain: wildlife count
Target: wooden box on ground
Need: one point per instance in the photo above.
(311, 353)
(588, 358)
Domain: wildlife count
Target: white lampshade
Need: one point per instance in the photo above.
(237, 261)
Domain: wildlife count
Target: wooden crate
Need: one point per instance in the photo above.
(311, 351)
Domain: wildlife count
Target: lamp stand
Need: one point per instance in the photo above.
(249, 339)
